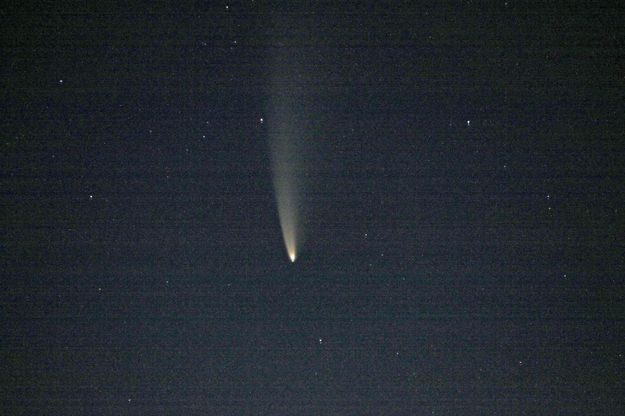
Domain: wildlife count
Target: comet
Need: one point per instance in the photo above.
(286, 126)
(287, 185)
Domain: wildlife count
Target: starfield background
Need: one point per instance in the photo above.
(463, 209)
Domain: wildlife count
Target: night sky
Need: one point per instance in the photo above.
(461, 185)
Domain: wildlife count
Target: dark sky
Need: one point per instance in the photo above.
(464, 214)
